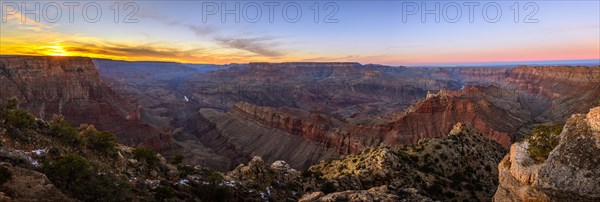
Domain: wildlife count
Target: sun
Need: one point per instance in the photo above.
(55, 51)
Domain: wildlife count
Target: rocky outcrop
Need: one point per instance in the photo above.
(570, 173)
(435, 116)
(29, 185)
(71, 87)
(458, 166)
(258, 180)
(382, 194)
(593, 119)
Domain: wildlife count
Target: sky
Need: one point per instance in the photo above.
(381, 32)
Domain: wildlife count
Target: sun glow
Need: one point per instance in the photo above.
(55, 51)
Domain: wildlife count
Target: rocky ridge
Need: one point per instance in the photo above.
(458, 167)
(570, 173)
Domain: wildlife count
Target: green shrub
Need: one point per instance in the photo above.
(457, 177)
(177, 160)
(68, 171)
(435, 189)
(542, 141)
(104, 142)
(213, 189)
(317, 175)
(342, 167)
(10, 104)
(74, 175)
(146, 154)
(65, 132)
(449, 194)
(185, 170)
(162, 193)
(13, 117)
(328, 187)
(5, 175)
(213, 192)
(103, 187)
(488, 168)
(20, 119)
(414, 158)
(418, 178)
(427, 156)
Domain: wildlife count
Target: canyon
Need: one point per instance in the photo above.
(222, 115)
(341, 124)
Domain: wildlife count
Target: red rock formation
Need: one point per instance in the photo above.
(432, 118)
(71, 87)
(435, 117)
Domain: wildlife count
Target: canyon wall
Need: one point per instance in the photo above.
(71, 87)
(550, 91)
(237, 139)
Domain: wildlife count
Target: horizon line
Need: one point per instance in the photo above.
(569, 62)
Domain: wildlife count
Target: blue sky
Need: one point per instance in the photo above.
(366, 31)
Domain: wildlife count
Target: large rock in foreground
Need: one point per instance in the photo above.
(570, 173)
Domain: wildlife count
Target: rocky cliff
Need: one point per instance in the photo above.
(571, 172)
(549, 90)
(330, 131)
(459, 167)
(494, 111)
(238, 139)
(477, 105)
(71, 87)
